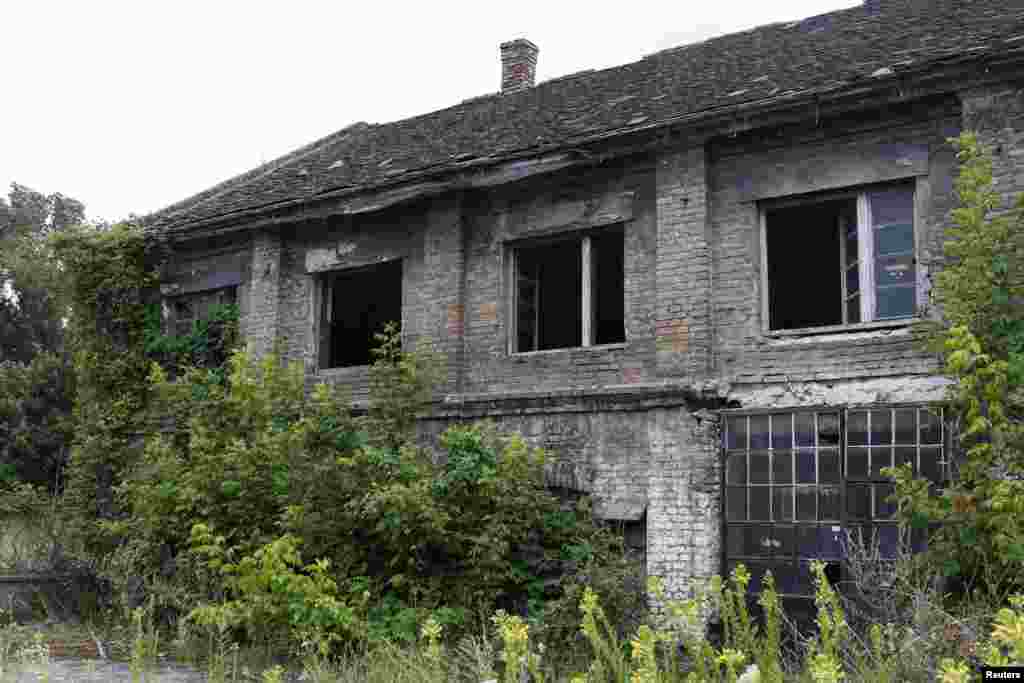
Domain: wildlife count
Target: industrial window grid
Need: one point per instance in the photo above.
(796, 482)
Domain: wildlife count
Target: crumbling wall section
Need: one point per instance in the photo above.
(634, 450)
(684, 499)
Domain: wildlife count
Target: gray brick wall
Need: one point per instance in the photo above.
(261, 323)
(633, 448)
(997, 114)
(543, 208)
(692, 303)
(683, 270)
(742, 353)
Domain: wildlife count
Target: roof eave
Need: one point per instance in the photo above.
(927, 79)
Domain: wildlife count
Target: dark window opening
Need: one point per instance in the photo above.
(842, 261)
(357, 305)
(803, 264)
(570, 293)
(608, 278)
(796, 492)
(634, 534)
(549, 282)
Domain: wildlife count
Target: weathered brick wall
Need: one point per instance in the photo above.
(684, 498)
(313, 249)
(693, 303)
(683, 270)
(997, 114)
(564, 204)
(205, 265)
(836, 154)
(261, 322)
(628, 449)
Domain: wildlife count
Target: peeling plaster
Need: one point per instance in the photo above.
(839, 337)
(907, 389)
(323, 258)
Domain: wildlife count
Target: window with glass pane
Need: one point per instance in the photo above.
(867, 234)
(796, 483)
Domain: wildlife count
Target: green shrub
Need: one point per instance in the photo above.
(259, 462)
(980, 516)
(274, 599)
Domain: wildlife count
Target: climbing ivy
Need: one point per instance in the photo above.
(980, 541)
(108, 278)
(207, 345)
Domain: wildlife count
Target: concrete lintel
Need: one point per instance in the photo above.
(625, 397)
(890, 390)
(628, 510)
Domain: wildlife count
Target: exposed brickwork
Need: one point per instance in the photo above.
(624, 422)
(518, 65)
(261, 324)
(997, 113)
(561, 205)
(742, 352)
(664, 455)
(684, 520)
(683, 265)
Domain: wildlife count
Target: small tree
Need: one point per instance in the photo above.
(36, 378)
(980, 538)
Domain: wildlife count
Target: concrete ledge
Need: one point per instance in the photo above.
(619, 397)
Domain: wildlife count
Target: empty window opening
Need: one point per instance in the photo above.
(357, 305)
(570, 293)
(608, 280)
(549, 288)
(795, 489)
(842, 261)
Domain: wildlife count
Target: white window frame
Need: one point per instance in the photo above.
(588, 271)
(866, 261)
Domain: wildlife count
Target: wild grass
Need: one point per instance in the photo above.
(26, 545)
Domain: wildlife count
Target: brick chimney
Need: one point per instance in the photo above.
(518, 65)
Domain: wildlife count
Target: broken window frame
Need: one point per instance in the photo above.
(588, 302)
(324, 310)
(867, 256)
(936, 440)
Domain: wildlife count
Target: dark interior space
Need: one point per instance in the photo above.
(362, 302)
(549, 291)
(804, 285)
(607, 287)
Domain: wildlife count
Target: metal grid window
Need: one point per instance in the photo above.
(795, 482)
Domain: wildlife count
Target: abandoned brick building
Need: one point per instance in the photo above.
(692, 278)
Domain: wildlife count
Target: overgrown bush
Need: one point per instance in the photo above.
(35, 419)
(980, 516)
(250, 459)
(107, 279)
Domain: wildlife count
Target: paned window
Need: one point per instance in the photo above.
(568, 292)
(797, 482)
(843, 259)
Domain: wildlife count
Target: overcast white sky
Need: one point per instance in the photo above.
(130, 106)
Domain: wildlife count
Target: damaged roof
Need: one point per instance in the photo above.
(875, 40)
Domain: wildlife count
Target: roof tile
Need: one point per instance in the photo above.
(825, 50)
